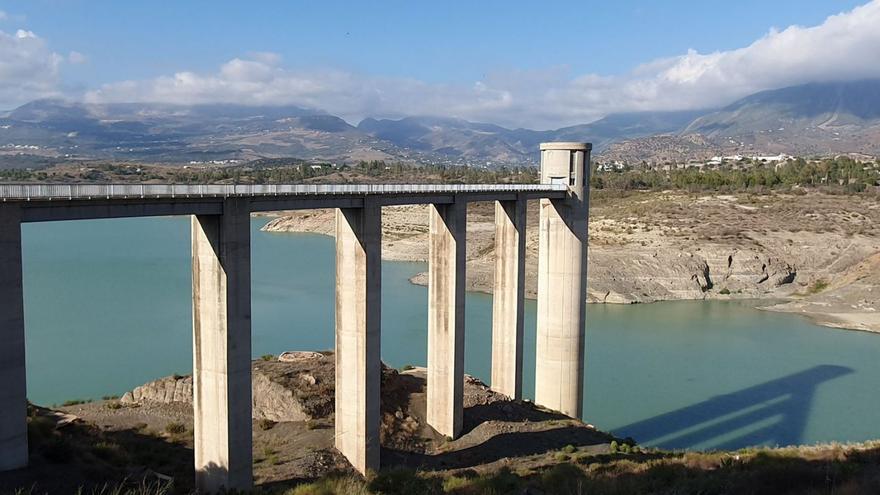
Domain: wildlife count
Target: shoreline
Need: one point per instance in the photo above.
(760, 304)
(816, 254)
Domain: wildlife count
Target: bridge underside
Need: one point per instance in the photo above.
(222, 310)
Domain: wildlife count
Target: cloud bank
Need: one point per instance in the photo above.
(845, 46)
(28, 68)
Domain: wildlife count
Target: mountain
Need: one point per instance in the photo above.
(817, 118)
(489, 142)
(616, 127)
(178, 133)
(807, 120)
(811, 119)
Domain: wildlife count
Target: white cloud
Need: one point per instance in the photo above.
(28, 68)
(75, 57)
(844, 46)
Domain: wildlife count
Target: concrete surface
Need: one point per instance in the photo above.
(358, 334)
(446, 281)
(562, 280)
(508, 297)
(221, 265)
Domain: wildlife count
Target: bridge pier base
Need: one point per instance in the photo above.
(562, 280)
(13, 389)
(221, 264)
(358, 334)
(446, 279)
(508, 297)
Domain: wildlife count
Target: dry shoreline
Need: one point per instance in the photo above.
(818, 254)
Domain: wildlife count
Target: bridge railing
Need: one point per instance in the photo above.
(123, 191)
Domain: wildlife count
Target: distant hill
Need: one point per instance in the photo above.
(811, 119)
(176, 133)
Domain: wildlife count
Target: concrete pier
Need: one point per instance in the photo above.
(13, 401)
(221, 283)
(508, 297)
(358, 332)
(562, 279)
(446, 279)
(221, 266)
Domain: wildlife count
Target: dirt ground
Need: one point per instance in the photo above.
(108, 440)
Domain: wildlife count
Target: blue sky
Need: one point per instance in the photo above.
(517, 63)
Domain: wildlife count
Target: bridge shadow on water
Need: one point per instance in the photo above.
(771, 413)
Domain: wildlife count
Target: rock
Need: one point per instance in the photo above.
(288, 390)
(296, 356)
(164, 390)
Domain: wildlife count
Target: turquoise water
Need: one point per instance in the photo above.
(107, 308)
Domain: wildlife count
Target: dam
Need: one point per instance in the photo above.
(222, 312)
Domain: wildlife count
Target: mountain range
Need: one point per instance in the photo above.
(806, 120)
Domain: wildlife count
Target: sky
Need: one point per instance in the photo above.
(538, 65)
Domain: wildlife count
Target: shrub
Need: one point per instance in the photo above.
(502, 482)
(266, 424)
(725, 291)
(58, 450)
(563, 479)
(569, 449)
(267, 357)
(561, 457)
(818, 286)
(175, 428)
(402, 481)
(40, 428)
(114, 405)
(109, 452)
(75, 402)
(342, 485)
(614, 446)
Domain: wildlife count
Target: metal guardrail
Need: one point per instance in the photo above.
(29, 192)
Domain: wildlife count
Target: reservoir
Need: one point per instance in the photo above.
(108, 307)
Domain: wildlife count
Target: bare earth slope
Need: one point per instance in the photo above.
(656, 246)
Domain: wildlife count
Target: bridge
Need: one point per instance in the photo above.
(221, 297)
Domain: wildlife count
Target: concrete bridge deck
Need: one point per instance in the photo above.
(54, 202)
(221, 298)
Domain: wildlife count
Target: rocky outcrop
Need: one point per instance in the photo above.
(292, 390)
(164, 390)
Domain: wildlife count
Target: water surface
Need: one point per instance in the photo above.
(107, 307)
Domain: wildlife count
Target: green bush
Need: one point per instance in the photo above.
(40, 428)
(569, 449)
(334, 485)
(614, 446)
(725, 291)
(818, 286)
(267, 357)
(266, 424)
(175, 428)
(402, 481)
(563, 479)
(500, 483)
(109, 452)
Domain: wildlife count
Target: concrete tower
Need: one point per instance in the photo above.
(562, 279)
